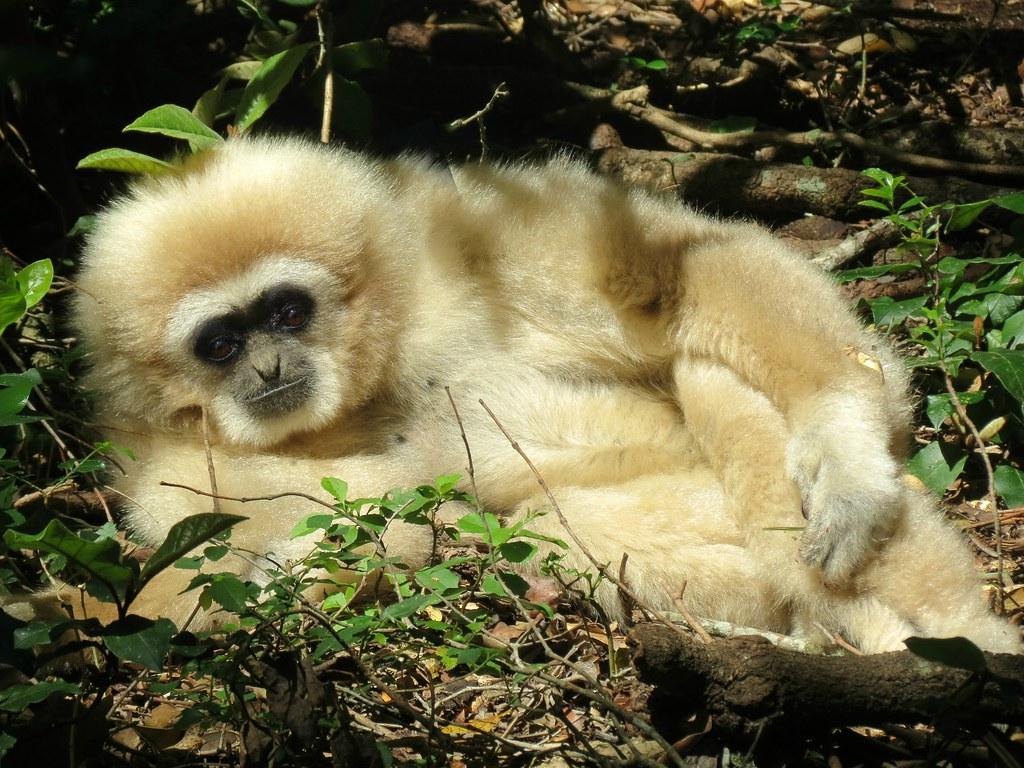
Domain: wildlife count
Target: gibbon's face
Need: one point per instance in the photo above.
(256, 344)
(244, 284)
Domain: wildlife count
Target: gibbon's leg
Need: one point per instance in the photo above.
(679, 542)
(926, 573)
(744, 438)
(748, 303)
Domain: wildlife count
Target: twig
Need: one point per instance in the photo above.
(601, 568)
(997, 523)
(325, 33)
(881, 234)
(214, 493)
(478, 117)
(465, 442)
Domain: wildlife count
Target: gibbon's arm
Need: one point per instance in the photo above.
(750, 304)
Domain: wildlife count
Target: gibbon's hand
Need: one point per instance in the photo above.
(850, 486)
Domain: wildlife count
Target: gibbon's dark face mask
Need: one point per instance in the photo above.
(261, 350)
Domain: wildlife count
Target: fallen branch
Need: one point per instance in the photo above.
(731, 184)
(749, 685)
(634, 102)
(881, 234)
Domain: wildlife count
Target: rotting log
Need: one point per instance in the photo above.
(730, 184)
(749, 685)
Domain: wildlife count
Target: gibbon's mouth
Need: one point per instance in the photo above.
(279, 398)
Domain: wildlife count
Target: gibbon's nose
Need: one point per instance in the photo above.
(267, 366)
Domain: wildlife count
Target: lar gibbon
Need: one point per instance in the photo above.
(694, 394)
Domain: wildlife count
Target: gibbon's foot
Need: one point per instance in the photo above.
(851, 500)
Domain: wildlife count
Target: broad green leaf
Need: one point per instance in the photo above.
(517, 551)
(100, 559)
(241, 70)
(140, 640)
(12, 307)
(1013, 329)
(964, 215)
(17, 697)
(39, 633)
(178, 123)
(207, 106)
(352, 58)
(1010, 485)
(125, 161)
(306, 526)
(931, 468)
(1008, 367)
(734, 124)
(337, 488)
(228, 591)
(185, 536)
(15, 390)
(886, 311)
(34, 281)
(1013, 202)
(407, 607)
(438, 578)
(940, 407)
(492, 585)
(956, 652)
(266, 85)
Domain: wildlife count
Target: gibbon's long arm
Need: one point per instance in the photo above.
(752, 306)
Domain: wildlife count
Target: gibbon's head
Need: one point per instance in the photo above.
(244, 283)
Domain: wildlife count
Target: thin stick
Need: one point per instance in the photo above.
(325, 32)
(602, 569)
(997, 522)
(214, 493)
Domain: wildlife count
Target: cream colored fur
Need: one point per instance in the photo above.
(686, 386)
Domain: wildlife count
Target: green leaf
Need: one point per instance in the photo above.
(39, 633)
(734, 124)
(178, 123)
(337, 488)
(1013, 202)
(34, 281)
(940, 407)
(266, 85)
(407, 607)
(228, 591)
(931, 468)
(185, 536)
(964, 215)
(306, 526)
(1008, 367)
(517, 551)
(352, 58)
(16, 698)
(437, 578)
(1013, 329)
(100, 559)
(15, 390)
(124, 160)
(1010, 485)
(140, 640)
(956, 652)
(887, 311)
(658, 65)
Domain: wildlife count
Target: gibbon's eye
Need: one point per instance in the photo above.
(222, 348)
(285, 308)
(293, 317)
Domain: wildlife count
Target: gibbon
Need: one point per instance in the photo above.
(695, 395)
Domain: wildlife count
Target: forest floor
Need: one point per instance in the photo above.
(768, 110)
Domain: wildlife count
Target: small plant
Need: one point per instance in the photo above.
(967, 327)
